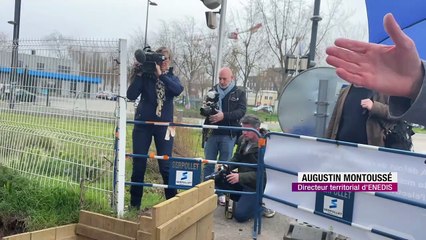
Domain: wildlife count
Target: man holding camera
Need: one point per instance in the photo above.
(232, 104)
(245, 179)
(154, 81)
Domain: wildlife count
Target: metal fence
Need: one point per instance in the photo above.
(58, 111)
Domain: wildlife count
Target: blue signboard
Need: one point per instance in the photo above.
(184, 173)
(335, 205)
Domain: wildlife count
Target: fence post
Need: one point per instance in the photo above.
(121, 163)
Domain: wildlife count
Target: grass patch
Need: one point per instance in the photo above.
(263, 116)
(67, 149)
(28, 206)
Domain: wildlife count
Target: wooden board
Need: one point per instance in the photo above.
(99, 234)
(186, 219)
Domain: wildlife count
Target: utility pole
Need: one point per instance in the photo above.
(14, 62)
(221, 34)
(315, 19)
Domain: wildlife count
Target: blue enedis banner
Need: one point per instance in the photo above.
(184, 173)
(335, 205)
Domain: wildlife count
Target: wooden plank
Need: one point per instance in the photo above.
(205, 190)
(45, 234)
(165, 211)
(96, 221)
(130, 229)
(112, 224)
(99, 234)
(22, 236)
(205, 227)
(79, 237)
(84, 238)
(142, 235)
(109, 223)
(186, 219)
(187, 199)
(66, 231)
(146, 224)
(189, 233)
(68, 238)
(85, 217)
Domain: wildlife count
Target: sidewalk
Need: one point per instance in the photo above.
(229, 229)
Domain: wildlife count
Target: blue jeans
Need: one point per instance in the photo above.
(217, 144)
(245, 208)
(244, 204)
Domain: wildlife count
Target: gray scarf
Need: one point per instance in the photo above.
(224, 92)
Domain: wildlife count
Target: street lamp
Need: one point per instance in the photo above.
(148, 3)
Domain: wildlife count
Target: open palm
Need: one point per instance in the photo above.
(392, 70)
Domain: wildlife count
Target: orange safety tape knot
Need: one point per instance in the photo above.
(261, 142)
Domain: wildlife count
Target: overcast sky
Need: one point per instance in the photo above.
(102, 19)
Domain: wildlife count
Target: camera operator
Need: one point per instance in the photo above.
(157, 90)
(232, 107)
(245, 178)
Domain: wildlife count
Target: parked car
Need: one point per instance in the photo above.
(106, 95)
(22, 95)
(263, 108)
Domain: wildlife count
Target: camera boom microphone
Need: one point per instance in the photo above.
(140, 56)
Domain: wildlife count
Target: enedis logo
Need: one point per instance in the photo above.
(184, 178)
(333, 206)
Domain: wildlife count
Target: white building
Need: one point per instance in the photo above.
(62, 76)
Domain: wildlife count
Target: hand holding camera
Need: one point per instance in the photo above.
(158, 70)
(233, 178)
(148, 60)
(211, 104)
(216, 118)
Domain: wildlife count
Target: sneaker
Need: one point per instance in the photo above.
(222, 200)
(268, 213)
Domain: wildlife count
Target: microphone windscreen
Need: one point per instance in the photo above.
(140, 56)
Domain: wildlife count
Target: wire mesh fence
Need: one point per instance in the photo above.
(59, 111)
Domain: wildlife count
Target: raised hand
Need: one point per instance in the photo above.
(393, 70)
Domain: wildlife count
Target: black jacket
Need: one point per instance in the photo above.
(234, 107)
(247, 152)
(145, 85)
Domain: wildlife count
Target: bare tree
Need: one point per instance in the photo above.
(248, 48)
(58, 43)
(188, 42)
(288, 25)
(285, 24)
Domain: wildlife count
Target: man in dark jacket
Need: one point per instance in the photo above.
(395, 70)
(232, 107)
(157, 91)
(360, 116)
(245, 179)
